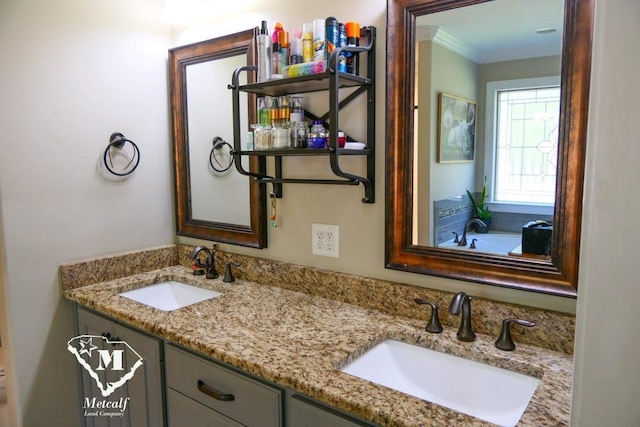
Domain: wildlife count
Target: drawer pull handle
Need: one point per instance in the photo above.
(210, 391)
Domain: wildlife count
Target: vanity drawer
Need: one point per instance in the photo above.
(181, 409)
(230, 393)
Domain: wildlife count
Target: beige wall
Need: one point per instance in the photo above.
(455, 75)
(442, 71)
(73, 72)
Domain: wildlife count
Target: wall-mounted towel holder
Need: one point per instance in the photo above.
(118, 141)
(218, 145)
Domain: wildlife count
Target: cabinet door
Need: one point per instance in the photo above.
(305, 413)
(184, 411)
(92, 324)
(145, 388)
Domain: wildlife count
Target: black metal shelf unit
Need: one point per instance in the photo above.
(331, 81)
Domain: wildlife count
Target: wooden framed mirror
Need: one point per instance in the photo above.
(556, 274)
(221, 206)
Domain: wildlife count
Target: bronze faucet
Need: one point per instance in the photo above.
(462, 300)
(209, 264)
(463, 240)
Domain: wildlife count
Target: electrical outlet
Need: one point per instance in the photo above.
(325, 240)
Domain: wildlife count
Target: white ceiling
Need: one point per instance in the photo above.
(498, 30)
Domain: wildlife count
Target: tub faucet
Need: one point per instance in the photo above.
(463, 239)
(209, 264)
(462, 300)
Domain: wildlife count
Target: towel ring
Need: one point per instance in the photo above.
(118, 141)
(218, 144)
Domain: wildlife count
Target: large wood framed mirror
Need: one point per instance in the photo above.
(413, 225)
(213, 201)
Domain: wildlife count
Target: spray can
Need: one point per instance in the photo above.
(264, 54)
(342, 58)
(319, 50)
(307, 42)
(295, 56)
(353, 39)
(277, 29)
(332, 35)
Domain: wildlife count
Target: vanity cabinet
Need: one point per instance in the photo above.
(331, 81)
(211, 394)
(145, 389)
(200, 392)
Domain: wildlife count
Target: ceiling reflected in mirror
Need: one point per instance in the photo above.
(499, 30)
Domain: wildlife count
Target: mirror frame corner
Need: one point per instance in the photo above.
(254, 235)
(558, 277)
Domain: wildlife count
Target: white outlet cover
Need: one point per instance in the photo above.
(325, 240)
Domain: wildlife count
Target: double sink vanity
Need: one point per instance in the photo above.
(300, 348)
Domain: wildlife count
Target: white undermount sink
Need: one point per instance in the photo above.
(170, 295)
(492, 394)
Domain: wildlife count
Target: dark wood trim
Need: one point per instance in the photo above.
(558, 276)
(254, 235)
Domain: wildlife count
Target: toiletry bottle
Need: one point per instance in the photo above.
(276, 61)
(249, 141)
(284, 113)
(342, 139)
(276, 53)
(342, 58)
(264, 54)
(332, 35)
(277, 29)
(274, 113)
(284, 47)
(296, 104)
(295, 55)
(353, 39)
(299, 134)
(319, 50)
(317, 138)
(264, 110)
(307, 42)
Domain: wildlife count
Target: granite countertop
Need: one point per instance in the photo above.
(299, 341)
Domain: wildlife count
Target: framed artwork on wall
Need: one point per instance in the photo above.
(456, 129)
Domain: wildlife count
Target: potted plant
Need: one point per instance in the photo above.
(481, 209)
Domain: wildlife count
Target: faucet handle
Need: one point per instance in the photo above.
(228, 276)
(504, 341)
(434, 326)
